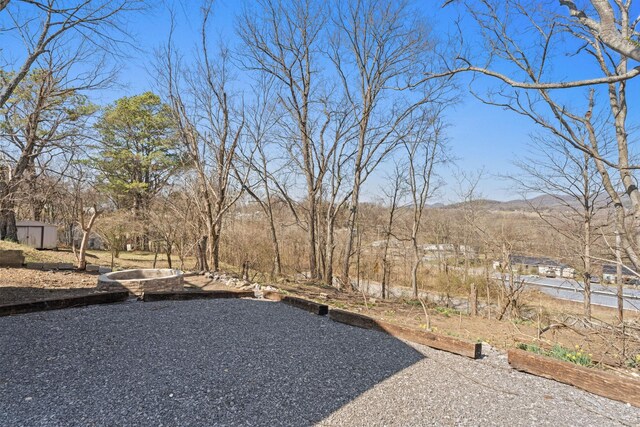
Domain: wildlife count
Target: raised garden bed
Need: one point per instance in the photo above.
(602, 383)
(437, 341)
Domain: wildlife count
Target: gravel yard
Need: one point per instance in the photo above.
(245, 362)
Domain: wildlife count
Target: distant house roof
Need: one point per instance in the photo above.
(539, 261)
(442, 247)
(611, 269)
(33, 224)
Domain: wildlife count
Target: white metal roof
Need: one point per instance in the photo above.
(33, 224)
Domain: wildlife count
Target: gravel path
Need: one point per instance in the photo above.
(448, 390)
(241, 362)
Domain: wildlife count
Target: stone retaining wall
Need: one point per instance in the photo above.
(140, 281)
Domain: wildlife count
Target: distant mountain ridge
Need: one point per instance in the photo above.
(544, 201)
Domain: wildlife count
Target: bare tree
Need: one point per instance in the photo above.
(530, 92)
(87, 206)
(86, 225)
(614, 28)
(471, 204)
(45, 25)
(262, 117)
(574, 197)
(341, 130)
(424, 147)
(282, 40)
(394, 194)
(380, 52)
(115, 228)
(45, 118)
(210, 127)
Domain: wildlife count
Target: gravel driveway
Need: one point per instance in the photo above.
(246, 362)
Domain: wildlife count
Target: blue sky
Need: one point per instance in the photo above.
(480, 136)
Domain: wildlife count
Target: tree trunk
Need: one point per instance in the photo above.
(313, 271)
(215, 249)
(277, 263)
(587, 268)
(330, 250)
(414, 268)
(473, 300)
(386, 275)
(86, 231)
(619, 278)
(351, 227)
(8, 229)
(202, 254)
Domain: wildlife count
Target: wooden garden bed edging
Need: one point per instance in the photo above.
(304, 304)
(602, 383)
(191, 295)
(55, 304)
(437, 341)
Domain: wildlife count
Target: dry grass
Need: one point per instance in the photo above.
(134, 259)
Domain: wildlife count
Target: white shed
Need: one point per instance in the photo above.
(37, 234)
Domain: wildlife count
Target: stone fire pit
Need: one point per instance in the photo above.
(142, 280)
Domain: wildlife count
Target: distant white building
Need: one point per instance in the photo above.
(37, 234)
(433, 252)
(539, 265)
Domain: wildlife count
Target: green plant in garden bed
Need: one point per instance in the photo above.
(530, 347)
(577, 355)
(413, 302)
(634, 362)
(446, 311)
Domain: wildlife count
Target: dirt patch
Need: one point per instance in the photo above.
(22, 285)
(543, 310)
